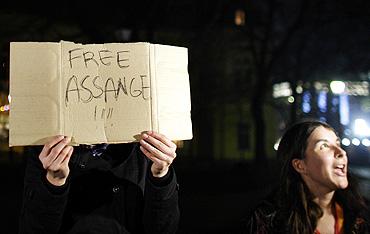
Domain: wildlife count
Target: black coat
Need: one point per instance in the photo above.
(113, 193)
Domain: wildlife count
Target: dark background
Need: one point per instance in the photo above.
(237, 51)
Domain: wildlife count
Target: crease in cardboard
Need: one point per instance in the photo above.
(105, 106)
(60, 94)
(153, 90)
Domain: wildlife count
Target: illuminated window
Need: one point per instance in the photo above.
(239, 17)
(322, 101)
(344, 109)
(306, 102)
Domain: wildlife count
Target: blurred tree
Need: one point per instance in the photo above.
(270, 26)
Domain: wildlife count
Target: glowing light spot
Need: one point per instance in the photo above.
(290, 99)
(239, 17)
(346, 142)
(337, 87)
(356, 141)
(361, 128)
(366, 142)
(299, 89)
(276, 145)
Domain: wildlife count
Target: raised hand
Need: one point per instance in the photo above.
(54, 157)
(160, 150)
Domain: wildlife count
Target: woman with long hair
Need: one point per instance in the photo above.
(316, 193)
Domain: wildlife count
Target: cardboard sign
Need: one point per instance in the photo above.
(97, 93)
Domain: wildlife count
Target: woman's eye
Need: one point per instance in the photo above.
(324, 145)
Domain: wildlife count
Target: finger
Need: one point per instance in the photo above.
(158, 144)
(157, 162)
(63, 165)
(155, 159)
(162, 138)
(69, 155)
(49, 145)
(62, 156)
(55, 151)
(152, 152)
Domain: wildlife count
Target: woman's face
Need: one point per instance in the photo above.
(325, 162)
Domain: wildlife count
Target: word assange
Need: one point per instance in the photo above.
(95, 87)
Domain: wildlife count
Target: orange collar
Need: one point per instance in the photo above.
(339, 220)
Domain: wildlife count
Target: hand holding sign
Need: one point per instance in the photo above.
(55, 157)
(160, 150)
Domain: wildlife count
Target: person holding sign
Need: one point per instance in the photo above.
(115, 188)
(316, 193)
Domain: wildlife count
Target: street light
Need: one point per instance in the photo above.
(337, 87)
(356, 141)
(346, 142)
(366, 142)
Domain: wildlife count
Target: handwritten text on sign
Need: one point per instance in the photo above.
(85, 87)
(82, 86)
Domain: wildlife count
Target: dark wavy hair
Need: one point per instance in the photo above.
(295, 199)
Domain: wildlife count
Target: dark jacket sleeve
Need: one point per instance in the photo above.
(161, 210)
(43, 206)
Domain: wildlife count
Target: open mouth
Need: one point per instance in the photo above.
(340, 170)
